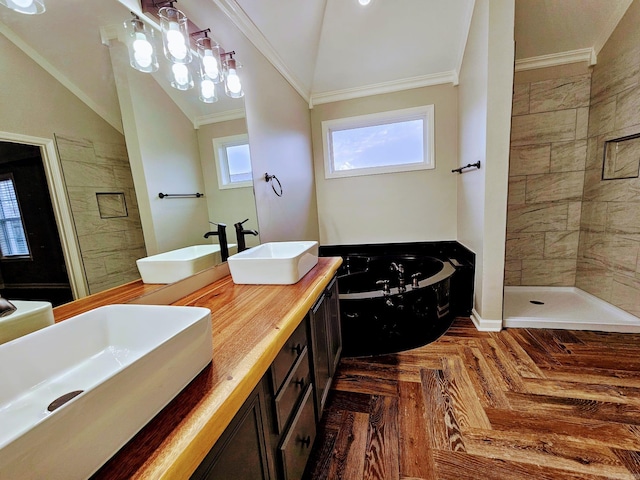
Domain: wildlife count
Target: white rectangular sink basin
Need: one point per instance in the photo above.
(128, 362)
(29, 317)
(275, 263)
(177, 264)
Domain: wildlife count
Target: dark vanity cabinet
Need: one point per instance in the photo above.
(271, 437)
(326, 342)
(241, 452)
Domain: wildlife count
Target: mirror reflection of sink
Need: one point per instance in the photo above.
(76, 392)
(29, 317)
(275, 263)
(177, 264)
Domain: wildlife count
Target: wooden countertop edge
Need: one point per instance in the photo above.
(191, 455)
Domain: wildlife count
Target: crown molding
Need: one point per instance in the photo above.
(219, 117)
(255, 36)
(554, 59)
(386, 87)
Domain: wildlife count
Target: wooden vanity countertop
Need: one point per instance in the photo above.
(251, 323)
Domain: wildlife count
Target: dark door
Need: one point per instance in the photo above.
(38, 272)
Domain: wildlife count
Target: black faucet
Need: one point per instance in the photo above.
(240, 233)
(222, 239)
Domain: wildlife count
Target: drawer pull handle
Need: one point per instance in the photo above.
(306, 442)
(297, 349)
(300, 382)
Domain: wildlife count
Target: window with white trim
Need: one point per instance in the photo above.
(233, 161)
(387, 142)
(13, 241)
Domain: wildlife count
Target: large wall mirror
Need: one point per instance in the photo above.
(170, 137)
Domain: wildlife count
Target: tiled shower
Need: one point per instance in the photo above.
(566, 226)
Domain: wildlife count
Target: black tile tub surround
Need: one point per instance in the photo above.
(460, 257)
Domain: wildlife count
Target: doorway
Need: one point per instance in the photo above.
(35, 269)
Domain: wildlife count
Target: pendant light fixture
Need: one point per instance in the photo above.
(142, 54)
(209, 55)
(29, 7)
(175, 34)
(232, 84)
(214, 65)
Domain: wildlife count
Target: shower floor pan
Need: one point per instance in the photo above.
(567, 308)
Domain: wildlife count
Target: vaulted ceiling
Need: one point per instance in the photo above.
(326, 49)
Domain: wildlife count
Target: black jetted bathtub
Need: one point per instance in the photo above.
(392, 303)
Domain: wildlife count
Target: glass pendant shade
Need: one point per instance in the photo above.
(181, 77)
(207, 90)
(29, 7)
(209, 54)
(142, 54)
(232, 84)
(175, 35)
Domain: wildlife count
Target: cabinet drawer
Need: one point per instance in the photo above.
(288, 356)
(296, 445)
(292, 389)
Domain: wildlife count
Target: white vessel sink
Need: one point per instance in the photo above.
(29, 317)
(128, 362)
(177, 264)
(275, 263)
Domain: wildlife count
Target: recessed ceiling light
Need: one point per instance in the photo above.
(364, 2)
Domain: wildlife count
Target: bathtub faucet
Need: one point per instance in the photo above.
(386, 290)
(397, 267)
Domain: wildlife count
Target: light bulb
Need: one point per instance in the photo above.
(181, 77)
(364, 2)
(23, 3)
(180, 74)
(208, 91)
(175, 41)
(210, 65)
(142, 51)
(233, 82)
(29, 7)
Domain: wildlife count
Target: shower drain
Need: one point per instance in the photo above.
(536, 302)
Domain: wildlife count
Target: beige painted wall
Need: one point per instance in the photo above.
(231, 205)
(164, 156)
(484, 116)
(397, 207)
(280, 139)
(609, 250)
(33, 103)
(279, 136)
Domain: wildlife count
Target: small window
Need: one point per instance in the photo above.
(388, 142)
(13, 241)
(233, 161)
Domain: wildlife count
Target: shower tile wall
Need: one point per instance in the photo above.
(546, 177)
(609, 251)
(109, 246)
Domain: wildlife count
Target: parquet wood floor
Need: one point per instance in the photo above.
(517, 404)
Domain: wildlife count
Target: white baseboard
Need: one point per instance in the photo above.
(485, 324)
